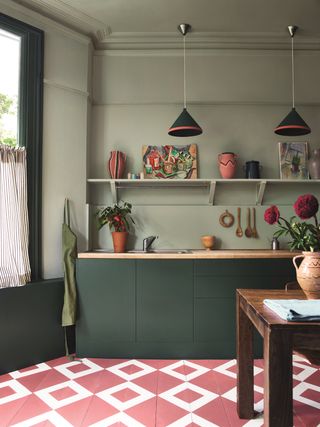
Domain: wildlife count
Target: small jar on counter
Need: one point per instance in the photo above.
(275, 244)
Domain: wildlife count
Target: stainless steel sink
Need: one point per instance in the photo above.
(162, 251)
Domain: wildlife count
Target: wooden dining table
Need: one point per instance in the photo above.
(280, 339)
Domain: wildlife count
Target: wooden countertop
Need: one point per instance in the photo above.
(194, 254)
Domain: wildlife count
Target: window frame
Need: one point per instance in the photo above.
(31, 126)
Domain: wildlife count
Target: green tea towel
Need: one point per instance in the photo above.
(69, 252)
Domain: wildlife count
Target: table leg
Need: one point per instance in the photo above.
(245, 364)
(277, 379)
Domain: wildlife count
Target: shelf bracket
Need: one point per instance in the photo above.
(212, 192)
(114, 191)
(260, 192)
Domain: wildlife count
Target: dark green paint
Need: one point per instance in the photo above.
(225, 286)
(30, 324)
(106, 295)
(166, 308)
(243, 267)
(165, 298)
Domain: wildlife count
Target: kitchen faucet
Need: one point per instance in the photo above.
(147, 242)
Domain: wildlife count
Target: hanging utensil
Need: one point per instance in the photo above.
(239, 232)
(254, 228)
(248, 230)
(226, 219)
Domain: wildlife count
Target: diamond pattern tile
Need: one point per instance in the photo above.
(143, 393)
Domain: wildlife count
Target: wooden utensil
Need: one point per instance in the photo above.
(239, 232)
(248, 230)
(254, 228)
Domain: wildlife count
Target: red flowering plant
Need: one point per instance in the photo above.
(304, 236)
(117, 216)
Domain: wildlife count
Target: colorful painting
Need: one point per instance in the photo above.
(293, 158)
(170, 161)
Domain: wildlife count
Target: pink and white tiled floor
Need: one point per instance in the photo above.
(137, 393)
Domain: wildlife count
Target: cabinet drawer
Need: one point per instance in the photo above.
(244, 267)
(225, 286)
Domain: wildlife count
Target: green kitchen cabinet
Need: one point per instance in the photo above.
(165, 301)
(156, 308)
(106, 296)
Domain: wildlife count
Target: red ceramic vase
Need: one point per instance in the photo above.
(227, 165)
(117, 164)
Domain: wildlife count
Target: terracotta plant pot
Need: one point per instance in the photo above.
(119, 241)
(227, 165)
(308, 274)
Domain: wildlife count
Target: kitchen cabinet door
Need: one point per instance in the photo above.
(106, 305)
(164, 301)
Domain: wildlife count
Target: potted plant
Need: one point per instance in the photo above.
(118, 217)
(304, 236)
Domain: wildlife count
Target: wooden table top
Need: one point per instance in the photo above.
(252, 299)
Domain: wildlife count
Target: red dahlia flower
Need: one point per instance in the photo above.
(304, 236)
(271, 215)
(306, 206)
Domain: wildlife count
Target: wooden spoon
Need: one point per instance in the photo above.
(248, 230)
(254, 228)
(239, 232)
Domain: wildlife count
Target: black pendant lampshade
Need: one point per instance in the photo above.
(293, 124)
(185, 125)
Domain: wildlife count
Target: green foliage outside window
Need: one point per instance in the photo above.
(8, 106)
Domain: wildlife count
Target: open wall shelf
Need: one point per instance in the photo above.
(218, 191)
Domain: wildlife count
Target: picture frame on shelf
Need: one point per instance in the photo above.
(293, 160)
(170, 161)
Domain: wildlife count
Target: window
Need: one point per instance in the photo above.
(21, 121)
(9, 87)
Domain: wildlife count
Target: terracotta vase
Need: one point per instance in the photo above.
(314, 164)
(117, 164)
(308, 273)
(227, 165)
(119, 239)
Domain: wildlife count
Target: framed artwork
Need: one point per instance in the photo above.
(170, 161)
(293, 158)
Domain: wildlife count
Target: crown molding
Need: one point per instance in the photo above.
(202, 40)
(18, 11)
(64, 14)
(213, 103)
(103, 38)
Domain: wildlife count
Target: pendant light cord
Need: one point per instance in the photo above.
(184, 73)
(292, 73)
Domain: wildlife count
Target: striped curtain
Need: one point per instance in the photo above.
(14, 225)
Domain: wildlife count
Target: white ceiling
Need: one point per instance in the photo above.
(110, 18)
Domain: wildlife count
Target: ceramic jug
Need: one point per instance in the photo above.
(314, 164)
(308, 273)
(227, 165)
(117, 164)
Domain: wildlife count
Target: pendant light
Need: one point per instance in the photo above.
(185, 125)
(293, 124)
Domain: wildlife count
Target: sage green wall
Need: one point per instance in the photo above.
(65, 115)
(237, 96)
